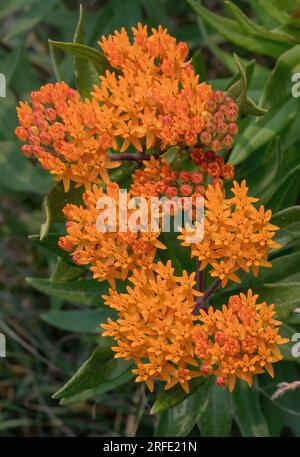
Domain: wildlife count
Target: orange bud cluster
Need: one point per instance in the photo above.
(214, 166)
(112, 254)
(157, 179)
(236, 234)
(238, 341)
(154, 326)
(220, 127)
(58, 132)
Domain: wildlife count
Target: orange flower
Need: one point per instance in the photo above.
(155, 324)
(236, 234)
(238, 341)
(111, 254)
(59, 132)
(156, 98)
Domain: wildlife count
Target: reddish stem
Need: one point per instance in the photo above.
(201, 302)
(137, 156)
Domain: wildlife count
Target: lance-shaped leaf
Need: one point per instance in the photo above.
(239, 89)
(180, 420)
(216, 420)
(248, 414)
(83, 321)
(97, 58)
(86, 73)
(120, 375)
(85, 292)
(96, 370)
(54, 203)
(170, 398)
(232, 31)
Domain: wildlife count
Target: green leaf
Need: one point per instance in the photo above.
(289, 222)
(216, 420)
(278, 88)
(120, 375)
(96, 370)
(64, 272)
(18, 174)
(238, 90)
(78, 321)
(54, 203)
(259, 133)
(180, 420)
(176, 157)
(285, 296)
(248, 414)
(170, 398)
(233, 32)
(82, 51)
(251, 28)
(51, 244)
(250, 107)
(286, 191)
(85, 292)
(86, 73)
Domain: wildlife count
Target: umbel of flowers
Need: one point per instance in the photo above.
(152, 100)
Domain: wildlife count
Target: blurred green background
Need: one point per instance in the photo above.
(41, 357)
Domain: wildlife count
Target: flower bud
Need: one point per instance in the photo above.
(227, 141)
(216, 145)
(186, 190)
(196, 177)
(231, 115)
(211, 106)
(184, 176)
(21, 133)
(233, 129)
(205, 138)
(171, 192)
(219, 96)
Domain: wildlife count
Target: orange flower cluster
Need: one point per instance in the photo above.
(238, 341)
(156, 95)
(60, 133)
(153, 100)
(112, 254)
(236, 234)
(155, 325)
(213, 165)
(156, 179)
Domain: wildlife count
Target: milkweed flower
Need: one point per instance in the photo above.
(239, 340)
(236, 234)
(156, 97)
(155, 324)
(112, 254)
(59, 131)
